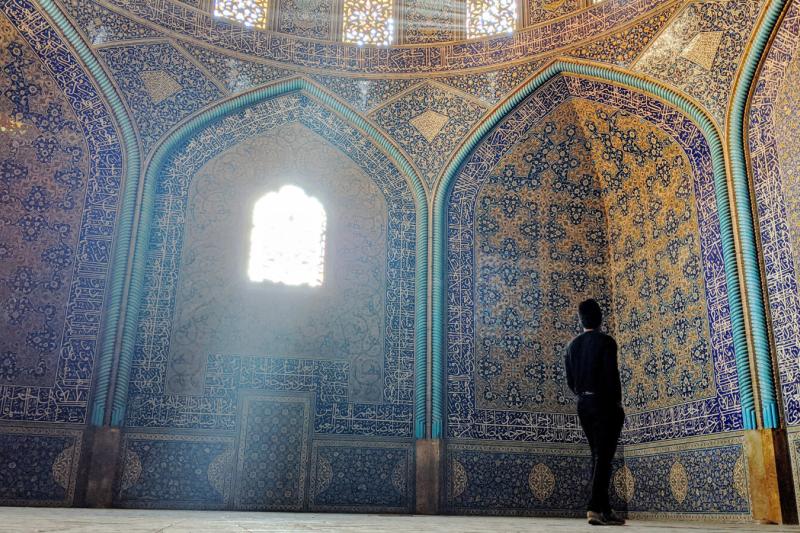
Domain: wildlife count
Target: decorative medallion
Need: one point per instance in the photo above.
(132, 470)
(678, 481)
(702, 49)
(399, 480)
(219, 471)
(429, 123)
(324, 475)
(159, 85)
(62, 467)
(625, 483)
(458, 479)
(740, 477)
(541, 481)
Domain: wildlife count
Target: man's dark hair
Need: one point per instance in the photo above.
(590, 314)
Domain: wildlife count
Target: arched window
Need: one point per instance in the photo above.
(368, 22)
(287, 243)
(248, 12)
(491, 17)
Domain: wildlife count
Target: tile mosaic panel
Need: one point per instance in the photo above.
(542, 11)
(218, 309)
(666, 58)
(101, 25)
(654, 260)
(682, 479)
(362, 476)
(38, 466)
(624, 46)
(226, 375)
(701, 411)
(429, 21)
(774, 170)
(307, 18)
(68, 158)
(396, 117)
(540, 246)
(584, 25)
(235, 74)
(273, 453)
(174, 471)
(493, 85)
(364, 94)
(154, 115)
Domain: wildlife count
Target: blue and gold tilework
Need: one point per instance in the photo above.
(647, 202)
(59, 184)
(333, 366)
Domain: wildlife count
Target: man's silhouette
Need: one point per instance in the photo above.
(592, 374)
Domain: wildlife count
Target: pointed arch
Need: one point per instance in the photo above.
(638, 84)
(181, 135)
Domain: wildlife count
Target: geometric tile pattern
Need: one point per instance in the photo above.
(698, 27)
(429, 124)
(773, 150)
(444, 57)
(702, 413)
(38, 466)
(89, 241)
(227, 375)
(273, 454)
(174, 471)
(180, 87)
(656, 482)
(362, 476)
(428, 150)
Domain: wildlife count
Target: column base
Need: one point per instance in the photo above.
(429, 475)
(105, 446)
(772, 496)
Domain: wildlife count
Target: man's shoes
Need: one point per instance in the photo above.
(613, 519)
(610, 518)
(596, 519)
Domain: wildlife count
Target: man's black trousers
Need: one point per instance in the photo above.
(602, 422)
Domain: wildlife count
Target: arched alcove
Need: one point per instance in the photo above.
(337, 359)
(576, 193)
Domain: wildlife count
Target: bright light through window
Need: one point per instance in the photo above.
(248, 12)
(287, 244)
(368, 22)
(491, 17)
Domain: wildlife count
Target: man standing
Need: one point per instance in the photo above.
(592, 374)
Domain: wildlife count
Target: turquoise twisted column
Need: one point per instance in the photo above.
(689, 108)
(737, 119)
(125, 219)
(179, 136)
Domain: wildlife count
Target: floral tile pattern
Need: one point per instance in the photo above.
(396, 118)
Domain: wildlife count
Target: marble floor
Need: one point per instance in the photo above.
(24, 520)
